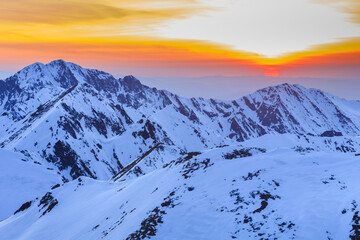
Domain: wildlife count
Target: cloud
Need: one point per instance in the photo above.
(346, 45)
(117, 36)
(59, 12)
(267, 27)
(351, 7)
(54, 20)
(74, 11)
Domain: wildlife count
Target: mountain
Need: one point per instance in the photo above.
(80, 135)
(87, 123)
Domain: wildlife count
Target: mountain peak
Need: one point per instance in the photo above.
(58, 61)
(130, 77)
(283, 90)
(61, 64)
(282, 86)
(38, 66)
(58, 73)
(132, 84)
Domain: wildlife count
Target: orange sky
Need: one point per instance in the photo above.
(121, 37)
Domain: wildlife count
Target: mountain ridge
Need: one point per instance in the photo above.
(63, 62)
(101, 107)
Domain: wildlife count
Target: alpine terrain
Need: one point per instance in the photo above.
(84, 155)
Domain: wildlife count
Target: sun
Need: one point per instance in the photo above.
(271, 72)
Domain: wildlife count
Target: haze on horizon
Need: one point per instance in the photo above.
(238, 86)
(182, 42)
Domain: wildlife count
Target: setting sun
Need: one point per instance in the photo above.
(272, 72)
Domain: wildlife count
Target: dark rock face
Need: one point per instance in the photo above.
(152, 130)
(106, 84)
(47, 202)
(123, 113)
(264, 196)
(186, 111)
(65, 157)
(238, 130)
(9, 88)
(355, 231)
(133, 93)
(270, 116)
(148, 131)
(55, 186)
(210, 114)
(23, 207)
(131, 84)
(66, 78)
(70, 126)
(149, 226)
(331, 133)
(248, 103)
(98, 121)
(241, 153)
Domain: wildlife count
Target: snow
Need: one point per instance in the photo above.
(22, 181)
(249, 168)
(208, 211)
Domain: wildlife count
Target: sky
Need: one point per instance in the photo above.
(190, 41)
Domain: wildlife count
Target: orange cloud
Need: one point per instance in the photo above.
(52, 20)
(343, 46)
(74, 11)
(106, 34)
(143, 58)
(158, 57)
(333, 65)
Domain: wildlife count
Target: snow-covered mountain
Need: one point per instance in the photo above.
(154, 156)
(87, 123)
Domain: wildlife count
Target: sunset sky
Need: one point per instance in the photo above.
(188, 39)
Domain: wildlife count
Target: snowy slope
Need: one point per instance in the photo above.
(222, 193)
(22, 180)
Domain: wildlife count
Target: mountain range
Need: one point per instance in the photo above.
(87, 156)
